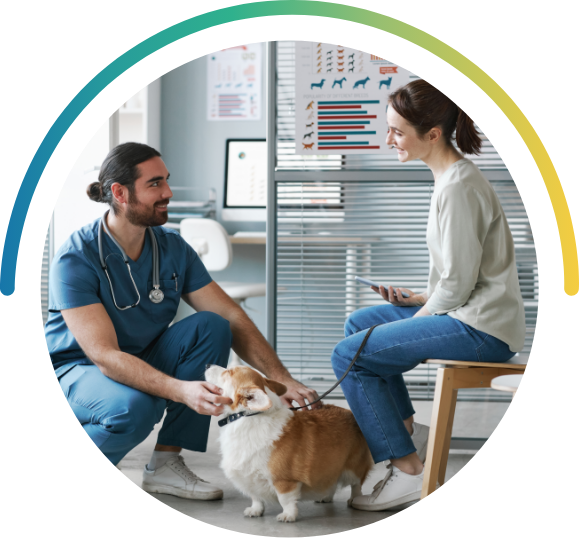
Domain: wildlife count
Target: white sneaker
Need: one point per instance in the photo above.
(175, 478)
(420, 436)
(396, 489)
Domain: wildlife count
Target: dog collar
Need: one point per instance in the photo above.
(236, 416)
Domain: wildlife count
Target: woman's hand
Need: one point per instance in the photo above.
(395, 296)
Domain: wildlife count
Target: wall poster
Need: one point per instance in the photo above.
(234, 84)
(341, 99)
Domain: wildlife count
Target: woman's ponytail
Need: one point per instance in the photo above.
(425, 107)
(466, 136)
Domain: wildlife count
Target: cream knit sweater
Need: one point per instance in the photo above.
(473, 275)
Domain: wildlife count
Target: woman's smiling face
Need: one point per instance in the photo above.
(403, 136)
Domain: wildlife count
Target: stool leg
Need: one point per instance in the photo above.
(439, 423)
(447, 444)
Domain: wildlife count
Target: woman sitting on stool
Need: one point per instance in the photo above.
(472, 309)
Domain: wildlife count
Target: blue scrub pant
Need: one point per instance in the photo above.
(375, 388)
(118, 418)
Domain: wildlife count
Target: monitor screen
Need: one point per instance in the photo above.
(246, 174)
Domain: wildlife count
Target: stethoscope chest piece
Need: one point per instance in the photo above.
(156, 295)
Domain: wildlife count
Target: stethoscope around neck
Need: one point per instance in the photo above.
(156, 294)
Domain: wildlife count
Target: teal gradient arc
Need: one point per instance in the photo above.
(82, 100)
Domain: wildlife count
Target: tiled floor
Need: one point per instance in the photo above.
(471, 420)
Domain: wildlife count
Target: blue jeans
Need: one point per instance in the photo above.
(374, 387)
(117, 417)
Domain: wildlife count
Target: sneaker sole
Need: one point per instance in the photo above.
(416, 496)
(178, 492)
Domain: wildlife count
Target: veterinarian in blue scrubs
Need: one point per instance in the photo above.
(472, 309)
(119, 363)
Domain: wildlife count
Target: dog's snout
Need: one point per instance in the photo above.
(208, 366)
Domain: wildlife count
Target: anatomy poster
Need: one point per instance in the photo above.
(341, 99)
(234, 84)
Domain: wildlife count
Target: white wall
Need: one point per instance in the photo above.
(194, 151)
(142, 123)
(74, 209)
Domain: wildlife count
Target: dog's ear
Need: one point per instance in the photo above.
(256, 399)
(234, 361)
(276, 387)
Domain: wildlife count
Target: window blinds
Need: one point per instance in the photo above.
(46, 259)
(341, 216)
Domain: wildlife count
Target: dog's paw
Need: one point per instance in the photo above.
(286, 518)
(253, 512)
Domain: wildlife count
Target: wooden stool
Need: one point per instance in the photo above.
(451, 376)
(507, 383)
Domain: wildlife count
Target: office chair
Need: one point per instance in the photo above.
(212, 244)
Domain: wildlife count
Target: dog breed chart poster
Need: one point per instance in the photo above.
(234, 84)
(341, 99)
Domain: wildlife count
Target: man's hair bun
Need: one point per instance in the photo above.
(95, 192)
(120, 166)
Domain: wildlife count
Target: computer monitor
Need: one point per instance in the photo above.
(245, 191)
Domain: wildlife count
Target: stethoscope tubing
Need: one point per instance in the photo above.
(155, 256)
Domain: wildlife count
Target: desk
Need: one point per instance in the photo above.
(357, 251)
(259, 238)
(358, 258)
(248, 238)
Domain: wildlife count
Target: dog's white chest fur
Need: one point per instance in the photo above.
(285, 456)
(246, 446)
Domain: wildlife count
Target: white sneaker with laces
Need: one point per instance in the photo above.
(420, 438)
(396, 489)
(175, 478)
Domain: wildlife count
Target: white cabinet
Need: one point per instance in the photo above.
(74, 209)
(139, 118)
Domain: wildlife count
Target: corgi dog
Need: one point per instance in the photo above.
(272, 453)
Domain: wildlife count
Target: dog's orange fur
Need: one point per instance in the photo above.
(247, 381)
(315, 448)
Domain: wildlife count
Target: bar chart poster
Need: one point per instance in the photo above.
(234, 84)
(341, 99)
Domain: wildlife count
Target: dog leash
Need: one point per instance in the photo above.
(236, 416)
(343, 375)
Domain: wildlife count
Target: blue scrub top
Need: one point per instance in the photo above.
(77, 279)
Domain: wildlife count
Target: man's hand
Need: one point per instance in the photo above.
(249, 343)
(203, 397)
(299, 393)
